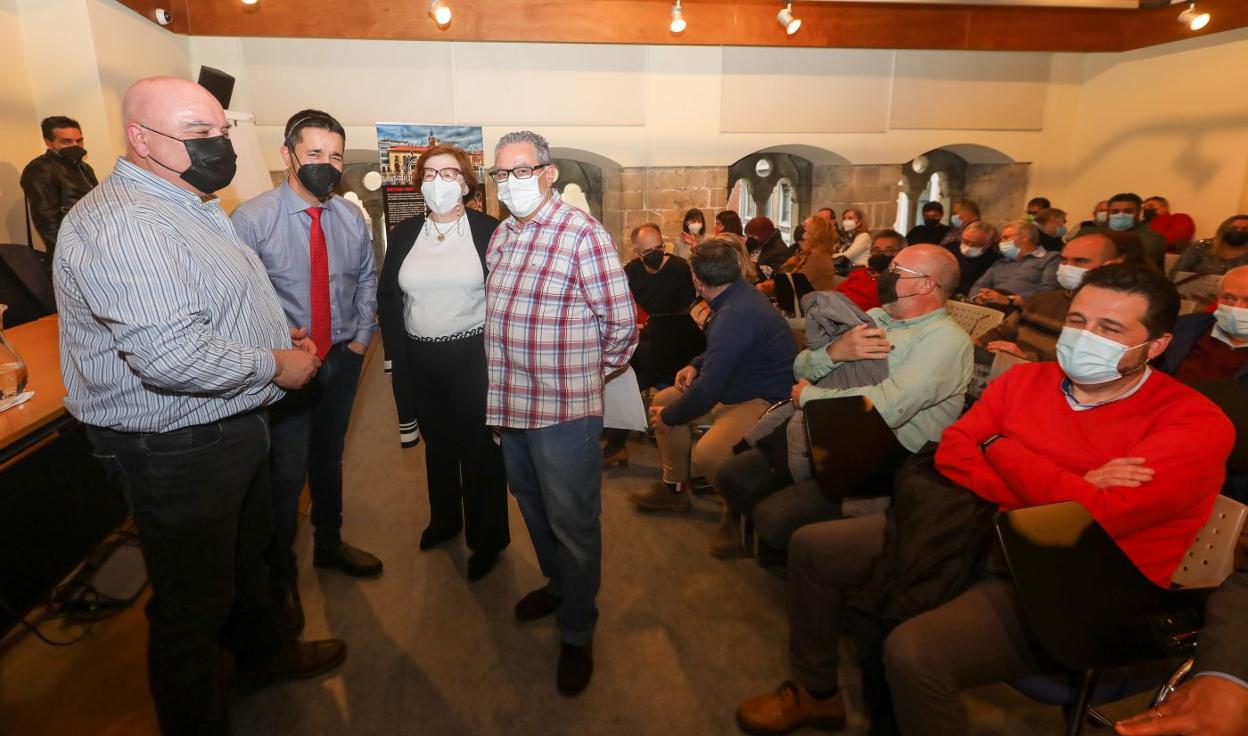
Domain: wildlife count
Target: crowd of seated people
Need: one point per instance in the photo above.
(1095, 416)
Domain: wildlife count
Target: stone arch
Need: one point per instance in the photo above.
(799, 170)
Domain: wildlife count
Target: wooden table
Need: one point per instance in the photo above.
(37, 343)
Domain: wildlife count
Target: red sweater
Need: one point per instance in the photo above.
(1047, 447)
(1175, 227)
(859, 286)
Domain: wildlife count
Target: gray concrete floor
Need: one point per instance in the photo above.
(682, 637)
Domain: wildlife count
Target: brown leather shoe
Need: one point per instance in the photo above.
(612, 456)
(661, 497)
(789, 708)
(296, 660)
(353, 561)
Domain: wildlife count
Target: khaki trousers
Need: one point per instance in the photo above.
(729, 423)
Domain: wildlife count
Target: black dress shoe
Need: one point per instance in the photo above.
(354, 562)
(296, 660)
(480, 564)
(431, 537)
(289, 608)
(538, 604)
(576, 666)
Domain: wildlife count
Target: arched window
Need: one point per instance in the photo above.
(937, 191)
(741, 200)
(575, 196)
(782, 208)
(903, 211)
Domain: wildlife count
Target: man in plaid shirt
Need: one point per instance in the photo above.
(559, 319)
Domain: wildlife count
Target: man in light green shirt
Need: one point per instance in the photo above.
(929, 364)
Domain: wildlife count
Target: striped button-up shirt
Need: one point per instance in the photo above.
(167, 320)
(559, 318)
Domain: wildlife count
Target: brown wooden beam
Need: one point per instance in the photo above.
(711, 23)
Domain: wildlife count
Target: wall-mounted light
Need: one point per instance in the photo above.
(1193, 18)
(250, 2)
(678, 20)
(440, 11)
(787, 21)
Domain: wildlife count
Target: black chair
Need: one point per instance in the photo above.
(1233, 401)
(852, 449)
(1090, 608)
(25, 284)
(789, 288)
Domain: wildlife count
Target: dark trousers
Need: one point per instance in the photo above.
(463, 463)
(555, 473)
(309, 431)
(777, 506)
(200, 499)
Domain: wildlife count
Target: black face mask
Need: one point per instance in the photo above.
(319, 179)
(879, 263)
(213, 161)
(72, 154)
(931, 221)
(886, 287)
(1149, 214)
(653, 258)
(1235, 238)
(752, 245)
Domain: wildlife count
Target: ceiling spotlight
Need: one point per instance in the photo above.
(678, 21)
(1193, 18)
(787, 21)
(250, 2)
(441, 13)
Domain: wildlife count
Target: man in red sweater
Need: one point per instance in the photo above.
(1177, 228)
(1142, 452)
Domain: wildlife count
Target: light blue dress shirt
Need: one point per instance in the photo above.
(1025, 275)
(277, 226)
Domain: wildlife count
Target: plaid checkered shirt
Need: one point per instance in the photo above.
(559, 317)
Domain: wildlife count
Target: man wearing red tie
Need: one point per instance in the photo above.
(319, 256)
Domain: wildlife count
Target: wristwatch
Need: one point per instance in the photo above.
(983, 446)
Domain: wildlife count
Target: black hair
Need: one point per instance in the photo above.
(311, 119)
(1043, 202)
(933, 207)
(715, 262)
(1127, 197)
(731, 223)
(694, 214)
(57, 121)
(1157, 290)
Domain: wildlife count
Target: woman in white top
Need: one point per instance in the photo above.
(856, 237)
(431, 306)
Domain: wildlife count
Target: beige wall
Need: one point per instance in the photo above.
(19, 133)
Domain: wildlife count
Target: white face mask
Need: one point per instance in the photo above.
(1089, 359)
(970, 252)
(1101, 217)
(694, 228)
(1070, 277)
(522, 196)
(442, 196)
(849, 225)
(1009, 249)
(1232, 320)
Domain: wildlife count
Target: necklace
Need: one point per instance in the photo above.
(457, 226)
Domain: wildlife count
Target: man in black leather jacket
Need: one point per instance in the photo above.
(56, 180)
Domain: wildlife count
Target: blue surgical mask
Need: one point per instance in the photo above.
(956, 221)
(1121, 221)
(1009, 249)
(1089, 359)
(1070, 277)
(1060, 232)
(1232, 320)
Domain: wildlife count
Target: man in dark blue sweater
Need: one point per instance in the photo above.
(747, 366)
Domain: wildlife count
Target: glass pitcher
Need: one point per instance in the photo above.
(12, 367)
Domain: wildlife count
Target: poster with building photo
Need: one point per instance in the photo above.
(400, 145)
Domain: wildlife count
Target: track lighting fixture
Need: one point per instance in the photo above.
(250, 2)
(1193, 18)
(678, 21)
(440, 11)
(787, 21)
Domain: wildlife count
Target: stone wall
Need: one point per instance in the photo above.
(1000, 190)
(873, 189)
(661, 195)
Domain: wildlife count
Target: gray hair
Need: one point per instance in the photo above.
(538, 142)
(979, 226)
(1028, 229)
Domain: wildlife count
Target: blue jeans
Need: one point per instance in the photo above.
(555, 474)
(309, 431)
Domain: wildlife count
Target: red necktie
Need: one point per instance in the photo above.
(319, 285)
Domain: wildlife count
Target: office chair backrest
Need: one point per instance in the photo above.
(25, 284)
(1211, 558)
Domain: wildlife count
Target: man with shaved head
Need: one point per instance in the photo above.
(929, 367)
(173, 342)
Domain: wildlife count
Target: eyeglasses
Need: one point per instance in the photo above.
(520, 172)
(447, 174)
(894, 267)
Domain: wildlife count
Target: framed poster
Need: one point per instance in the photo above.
(400, 145)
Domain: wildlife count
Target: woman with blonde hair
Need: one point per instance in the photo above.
(1228, 249)
(817, 258)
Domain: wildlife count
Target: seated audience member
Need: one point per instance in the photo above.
(1036, 205)
(746, 367)
(1209, 346)
(1025, 268)
(976, 251)
(826, 213)
(1214, 702)
(860, 284)
(1143, 453)
(728, 221)
(965, 212)
(1126, 215)
(933, 230)
(661, 285)
(855, 237)
(815, 259)
(1052, 225)
(1032, 332)
(929, 367)
(692, 229)
(766, 246)
(1100, 218)
(1227, 250)
(1129, 247)
(1176, 228)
